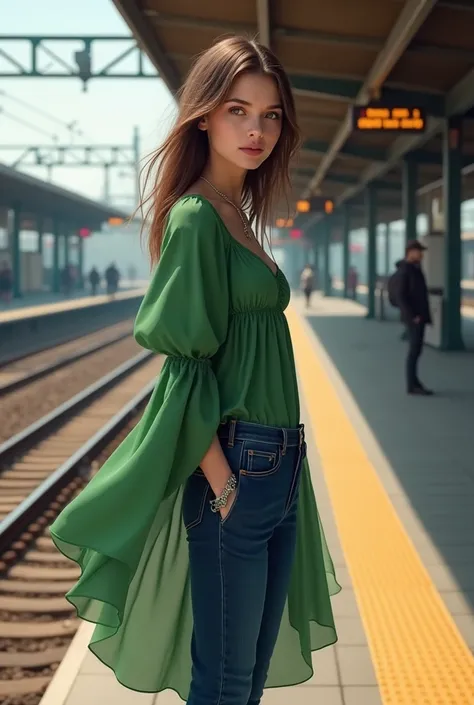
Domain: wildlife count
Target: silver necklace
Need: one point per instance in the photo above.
(239, 210)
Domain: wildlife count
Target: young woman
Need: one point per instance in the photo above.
(203, 560)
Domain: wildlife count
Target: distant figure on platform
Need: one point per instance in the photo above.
(307, 283)
(94, 280)
(352, 282)
(6, 282)
(112, 277)
(132, 274)
(407, 289)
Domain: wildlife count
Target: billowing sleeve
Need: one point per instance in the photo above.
(124, 529)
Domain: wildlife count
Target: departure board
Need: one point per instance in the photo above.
(376, 118)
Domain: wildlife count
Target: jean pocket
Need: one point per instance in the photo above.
(261, 459)
(194, 499)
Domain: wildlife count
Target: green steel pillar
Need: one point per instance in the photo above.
(452, 186)
(371, 207)
(40, 228)
(56, 284)
(80, 262)
(326, 236)
(346, 230)
(67, 253)
(388, 264)
(409, 186)
(16, 252)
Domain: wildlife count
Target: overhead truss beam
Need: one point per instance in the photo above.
(72, 155)
(80, 61)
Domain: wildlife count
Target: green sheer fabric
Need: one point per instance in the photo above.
(216, 310)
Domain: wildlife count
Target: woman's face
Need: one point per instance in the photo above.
(245, 129)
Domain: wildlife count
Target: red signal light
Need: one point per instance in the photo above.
(296, 234)
(84, 232)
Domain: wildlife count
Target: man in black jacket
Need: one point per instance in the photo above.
(415, 310)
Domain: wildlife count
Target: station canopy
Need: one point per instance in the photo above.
(39, 198)
(413, 55)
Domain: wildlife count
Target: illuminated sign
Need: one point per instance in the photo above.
(115, 221)
(296, 234)
(303, 206)
(284, 222)
(376, 118)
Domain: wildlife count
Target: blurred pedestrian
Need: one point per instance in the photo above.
(408, 290)
(94, 280)
(6, 282)
(112, 278)
(307, 283)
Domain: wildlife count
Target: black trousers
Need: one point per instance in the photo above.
(416, 335)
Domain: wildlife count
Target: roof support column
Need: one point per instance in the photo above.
(80, 262)
(55, 274)
(326, 242)
(346, 234)
(67, 253)
(409, 186)
(371, 211)
(388, 264)
(40, 231)
(452, 186)
(15, 251)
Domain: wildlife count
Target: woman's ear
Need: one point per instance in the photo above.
(202, 124)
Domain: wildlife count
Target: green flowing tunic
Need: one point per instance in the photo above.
(215, 309)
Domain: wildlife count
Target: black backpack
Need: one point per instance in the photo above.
(393, 288)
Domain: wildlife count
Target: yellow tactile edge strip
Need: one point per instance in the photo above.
(419, 656)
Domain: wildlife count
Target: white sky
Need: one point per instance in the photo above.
(106, 113)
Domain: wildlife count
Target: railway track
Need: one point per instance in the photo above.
(26, 405)
(25, 369)
(43, 468)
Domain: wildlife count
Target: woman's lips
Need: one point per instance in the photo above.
(251, 151)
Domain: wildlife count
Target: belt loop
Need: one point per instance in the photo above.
(232, 426)
(301, 430)
(285, 441)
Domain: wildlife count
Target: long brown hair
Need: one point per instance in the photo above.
(205, 89)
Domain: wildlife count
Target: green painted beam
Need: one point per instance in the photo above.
(373, 154)
(346, 179)
(348, 89)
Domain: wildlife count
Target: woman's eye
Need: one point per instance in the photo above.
(273, 116)
(235, 111)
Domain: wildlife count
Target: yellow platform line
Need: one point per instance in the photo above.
(419, 656)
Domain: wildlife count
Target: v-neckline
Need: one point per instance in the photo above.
(206, 200)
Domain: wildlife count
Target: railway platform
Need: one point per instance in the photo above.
(28, 329)
(394, 479)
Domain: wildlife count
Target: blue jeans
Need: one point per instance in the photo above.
(241, 565)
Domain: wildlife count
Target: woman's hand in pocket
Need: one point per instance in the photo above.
(230, 501)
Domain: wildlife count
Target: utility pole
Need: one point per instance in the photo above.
(136, 158)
